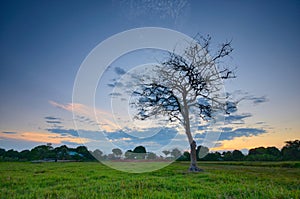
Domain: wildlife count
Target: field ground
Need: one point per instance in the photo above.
(94, 180)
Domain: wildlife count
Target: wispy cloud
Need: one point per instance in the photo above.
(115, 84)
(52, 118)
(257, 100)
(54, 122)
(86, 115)
(237, 118)
(115, 94)
(245, 96)
(9, 132)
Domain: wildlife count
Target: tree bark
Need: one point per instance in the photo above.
(185, 114)
(193, 166)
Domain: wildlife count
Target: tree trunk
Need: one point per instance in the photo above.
(185, 114)
(193, 166)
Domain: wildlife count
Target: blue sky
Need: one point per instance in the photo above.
(43, 44)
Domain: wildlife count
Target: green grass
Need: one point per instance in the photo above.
(94, 180)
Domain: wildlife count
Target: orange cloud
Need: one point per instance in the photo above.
(105, 119)
(267, 139)
(42, 137)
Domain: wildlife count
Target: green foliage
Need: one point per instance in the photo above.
(176, 153)
(185, 157)
(291, 151)
(227, 156)
(139, 153)
(94, 180)
(47, 153)
(151, 156)
(201, 151)
(117, 152)
(139, 149)
(215, 156)
(237, 155)
(129, 154)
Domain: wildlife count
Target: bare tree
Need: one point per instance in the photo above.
(186, 84)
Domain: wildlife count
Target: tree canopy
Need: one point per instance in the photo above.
(187, 85)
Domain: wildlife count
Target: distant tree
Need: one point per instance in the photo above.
(111, 156)
(257, 151)
(186, 156)
(2, 152)
(151, 156)
(185, 84)
(176, 153)
(62, 152)
(98, 154)
(117, 152)
(11, 155)
(129, 154)
(273, 151)
(104, 157)
(227, 156)
(42, 152)
(87, 155)
(140, 152)
(214, 156)
(291, 151)
(201, 151)
(237, 155)
(139, 149)
(263, 154)
(25, 155)
(166, 152)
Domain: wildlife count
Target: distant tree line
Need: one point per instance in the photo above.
(290, 152)
(48, 153)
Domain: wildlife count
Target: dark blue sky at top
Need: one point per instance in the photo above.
(43, 43)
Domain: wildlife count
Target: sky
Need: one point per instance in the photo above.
(44, 43)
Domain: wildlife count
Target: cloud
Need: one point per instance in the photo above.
(71, 106)
(54, 122)
(115, 84)
(52, 118)
(70, 143)
(231, 134)
(119, 71)
(42, 137)
(9, 132)
(82, 112)
(125, 140)
(242, 95)
(238, 118)
(203, 127)
(85, 120)
(115, 94)
(64, 132)
(257, 100)
(226, 129)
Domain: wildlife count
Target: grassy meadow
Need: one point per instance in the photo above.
(95, 180)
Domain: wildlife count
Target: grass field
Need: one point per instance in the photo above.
(94, 180)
